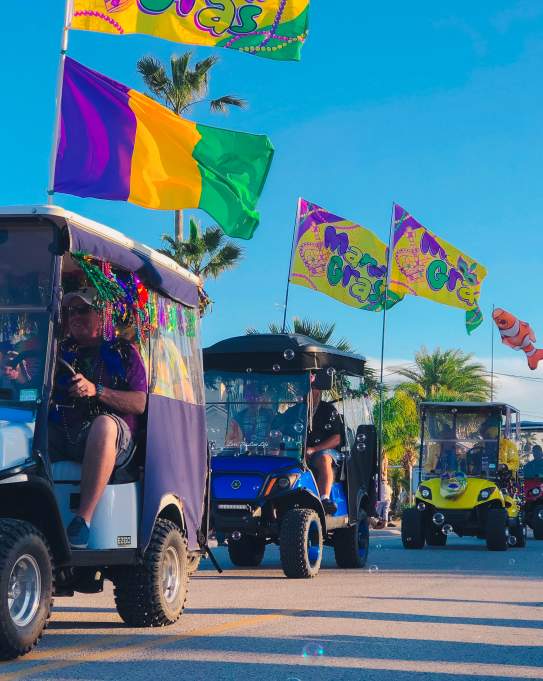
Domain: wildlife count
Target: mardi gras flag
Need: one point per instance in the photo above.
(425, 265)
(275, 29)
(118, 144)
(341, 259)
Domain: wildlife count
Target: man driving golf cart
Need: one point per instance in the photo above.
(469, 477)
(105, 395)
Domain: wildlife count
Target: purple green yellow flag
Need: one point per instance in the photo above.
(275, 29)
(118, 144)
(423, 264)
(341, 259)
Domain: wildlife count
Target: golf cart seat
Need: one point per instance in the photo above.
(70, 471)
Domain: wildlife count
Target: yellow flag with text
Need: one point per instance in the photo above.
(340, 259)
(423, 264)
(275, 29)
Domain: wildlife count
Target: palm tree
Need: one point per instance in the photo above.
(181, 90)
(205, 254)
(446, 376)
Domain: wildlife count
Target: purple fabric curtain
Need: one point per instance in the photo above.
(151, 273)
(175, 463)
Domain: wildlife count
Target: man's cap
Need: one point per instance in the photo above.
(87, 294)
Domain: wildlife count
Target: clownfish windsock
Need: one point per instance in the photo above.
(517, 335)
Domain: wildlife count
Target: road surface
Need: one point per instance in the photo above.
(444, 614)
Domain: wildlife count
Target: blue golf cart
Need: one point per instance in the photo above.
(259, 413)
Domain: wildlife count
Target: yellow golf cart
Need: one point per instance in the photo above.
(468, 476)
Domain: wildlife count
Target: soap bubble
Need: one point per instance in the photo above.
(511, 540)
(330, 371)
(512, 561)
(276, 367)
(378, 546)
(249, 370)
(298, 427)
(447, 529)
(312, 650)
(373, 569)
(288, 354)
(276, 434)
(328, 426)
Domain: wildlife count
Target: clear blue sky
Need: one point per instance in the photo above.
(437, 106)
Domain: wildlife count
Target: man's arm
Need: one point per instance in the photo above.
(123, 401)
(331, 443)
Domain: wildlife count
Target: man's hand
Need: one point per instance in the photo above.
(81, 387)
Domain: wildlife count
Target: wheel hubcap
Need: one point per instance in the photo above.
(313, 544)
(24, 590)
(170, 574)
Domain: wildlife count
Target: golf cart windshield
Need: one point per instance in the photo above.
(456, 441)
(25, 293)
(256, 414)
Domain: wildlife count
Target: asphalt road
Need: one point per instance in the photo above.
(448, 613)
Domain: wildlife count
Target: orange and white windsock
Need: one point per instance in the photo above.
(517, 335)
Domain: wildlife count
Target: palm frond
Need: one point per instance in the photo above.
(154, 75)
(221, 104)
(225, 259)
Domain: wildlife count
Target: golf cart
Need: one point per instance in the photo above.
(150, 522)
(531, 435)
(259, 411)
(468, 476)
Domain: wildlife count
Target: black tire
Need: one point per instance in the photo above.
(351, 544)
(247, 551)
(300, 543)
(193, 563)
(537, 524)
(519, 532)
(496, 529)
(140, 596)
(435, 536)
(413, 529)
(24, 551)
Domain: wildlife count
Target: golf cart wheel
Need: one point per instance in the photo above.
(496, 529)
(351, 544)
(193, 562)
(412, 529)
(518, 531)
(435, 536)
(26, 587)
(154, 594)
(247, 551)
(300, 543)
(537, 524)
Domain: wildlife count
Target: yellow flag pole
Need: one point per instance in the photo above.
(68, 14)
(383, 333)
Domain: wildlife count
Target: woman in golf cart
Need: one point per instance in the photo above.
(96, 403)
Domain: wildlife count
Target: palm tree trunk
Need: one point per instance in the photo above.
(179, 225)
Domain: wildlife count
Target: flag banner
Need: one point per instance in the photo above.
(423, 264)
(341, 259)
(518, 335)
(118, 144)
(275, 29)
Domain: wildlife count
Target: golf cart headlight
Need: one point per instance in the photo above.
(484, 494)
(426, 492)
(281, 483)
(536, 491)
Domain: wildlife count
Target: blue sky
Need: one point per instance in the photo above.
(434, 105)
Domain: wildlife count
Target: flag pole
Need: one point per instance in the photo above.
(383, 333)
(68, 13)
(492, 358)
(298, 211)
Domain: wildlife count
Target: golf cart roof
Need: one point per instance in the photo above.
(470, 406)
(289, 351)
(105, 243)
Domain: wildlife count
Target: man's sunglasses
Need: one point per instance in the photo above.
(79, 309)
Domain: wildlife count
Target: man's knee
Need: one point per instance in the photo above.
(104, 427)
